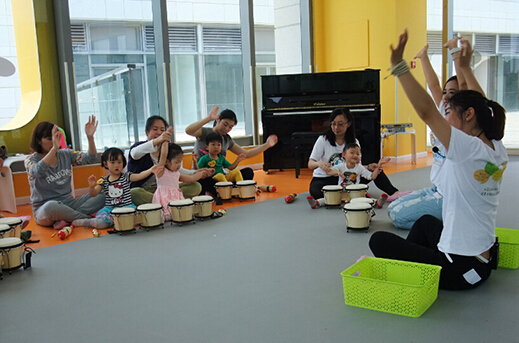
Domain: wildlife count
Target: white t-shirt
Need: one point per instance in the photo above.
(438, 157)
(324, 151)
(351, 175)
(471, 177)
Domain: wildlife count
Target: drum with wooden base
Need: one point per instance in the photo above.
(124, 219)
(358, 216)
(15, 223)
(150, 216)
(368, 201)
(6, 231)
(203, 206)
(332, 195)
(224, 189)
(12, 255)
(357, 191)
(247, 189)
(182, 211)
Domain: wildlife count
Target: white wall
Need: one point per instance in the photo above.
(287, 33)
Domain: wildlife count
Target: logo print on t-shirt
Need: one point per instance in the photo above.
(482, 175)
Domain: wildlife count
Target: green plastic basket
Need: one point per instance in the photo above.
(393, 286)
(508, 248)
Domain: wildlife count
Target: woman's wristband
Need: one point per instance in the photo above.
(401, 68)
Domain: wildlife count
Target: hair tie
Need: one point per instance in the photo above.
(489, 104)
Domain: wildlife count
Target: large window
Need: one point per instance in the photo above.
(496, 56)
(116, 68)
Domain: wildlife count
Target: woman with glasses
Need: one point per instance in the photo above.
(327, 152)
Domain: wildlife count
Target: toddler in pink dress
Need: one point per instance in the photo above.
(168, 181)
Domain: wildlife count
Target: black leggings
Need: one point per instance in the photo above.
(208, 183)
(421, 246)
(382, 182)
(317, 183)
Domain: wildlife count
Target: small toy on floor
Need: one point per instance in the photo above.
(290, 198)
(267, 188)
(65, 232)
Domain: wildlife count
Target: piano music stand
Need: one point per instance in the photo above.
(302, 144)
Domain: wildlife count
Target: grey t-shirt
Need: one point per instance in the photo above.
(53, 183)
(227, 143)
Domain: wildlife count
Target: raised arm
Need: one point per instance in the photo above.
(430, 75)
(93, 186)
(90, 129)
(464, 60)
(195, 129)
(453, 44)
(51, 157)
(271, 141)
(421, 101)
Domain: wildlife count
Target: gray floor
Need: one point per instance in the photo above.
(266, 272)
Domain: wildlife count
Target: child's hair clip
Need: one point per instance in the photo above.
(106, 148)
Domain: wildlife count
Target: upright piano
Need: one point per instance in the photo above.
(302, 104)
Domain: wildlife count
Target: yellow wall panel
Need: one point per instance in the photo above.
(385, 20)
(47, 104)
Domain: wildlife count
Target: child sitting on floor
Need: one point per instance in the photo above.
(350, 172)
(116, 187)
(213, 159)
(168, 180)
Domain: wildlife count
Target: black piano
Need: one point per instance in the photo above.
(297, 109)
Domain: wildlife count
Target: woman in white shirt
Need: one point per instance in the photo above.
(470, 177)
(327, 152)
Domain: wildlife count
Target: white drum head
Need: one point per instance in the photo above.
(122, 210)
(358, 187)
(363, 200)
(149, 207)
(10, 242)
(11, 221)
(184, 202)
(202, 198)
(223, 184)
(357, 206)
(332, 188)
(246, 183)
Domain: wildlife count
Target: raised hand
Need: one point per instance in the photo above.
(272, 140)
(397, 53)
(92, 181)
(423, 52)
(166, 136)
(213, 115)
(91, 126)
(194, 156)
(56, 137)
(453, 43)
(466, 53)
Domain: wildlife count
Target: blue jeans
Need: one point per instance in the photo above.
(405, 211)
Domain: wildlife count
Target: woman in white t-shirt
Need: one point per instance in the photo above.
(471, 176)
(327, 152)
